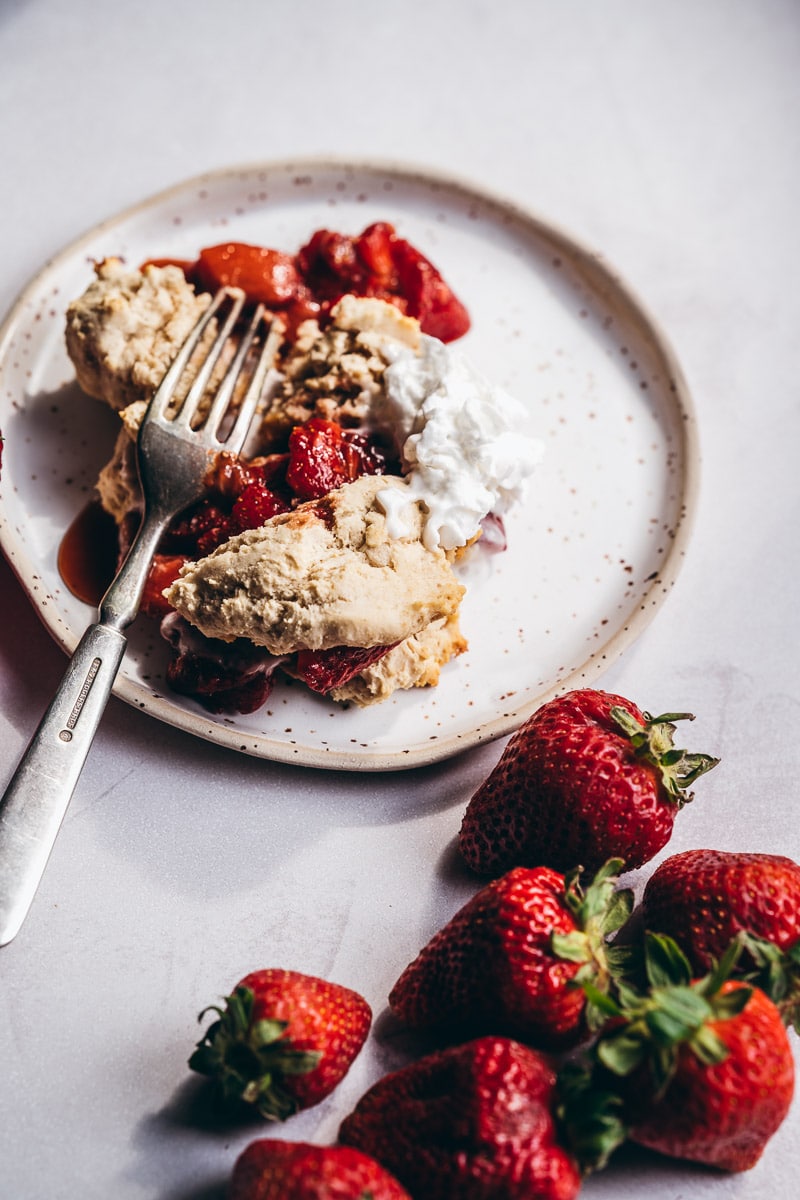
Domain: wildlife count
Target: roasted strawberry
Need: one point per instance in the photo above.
(200, 529)
(320, 460)
(374, 248)
(588, 777)
(254, 506)
(164, 570)
(329, 265)
(512, 959)
(230, 474)
(265, 275)
(270, 1169)
(323, 457)
(322, 670)
(282, 1042)
(708, 1067)
(438, 310)
(706, 898)
(379, 263)
(235, 686)
(375, 263)
(474, 1121)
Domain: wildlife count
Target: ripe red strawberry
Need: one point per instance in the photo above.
(706, 898)
(283, 1041)
(709, 1062)
(273, 1170)
(511, 959)
(474, 1121)
(587, 778)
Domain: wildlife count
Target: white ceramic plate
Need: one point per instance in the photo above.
(591, 555)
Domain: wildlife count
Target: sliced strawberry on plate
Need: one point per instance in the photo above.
(200, 529)
(323, 456)
(323, 670)
(266, 276)
(164, 570)
(255, 505)
(222, 687)
(374, 248)
(433, 302)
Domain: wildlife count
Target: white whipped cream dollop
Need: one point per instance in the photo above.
(463, 443)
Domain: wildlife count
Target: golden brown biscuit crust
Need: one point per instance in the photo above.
(327, 574)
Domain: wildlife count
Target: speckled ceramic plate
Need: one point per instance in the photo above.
(592, 553)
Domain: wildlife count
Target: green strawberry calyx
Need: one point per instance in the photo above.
(597, 911)
(645, 1030)
(650, 1028)
(776, 972)
(653, 743)
(590, 1116)
(248, 1059)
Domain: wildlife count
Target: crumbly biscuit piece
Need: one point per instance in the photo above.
(118, 486)
(126, 328)
(416, 662)
(336, 373)
(327, 574)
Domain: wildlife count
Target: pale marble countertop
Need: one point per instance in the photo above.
(665, 135)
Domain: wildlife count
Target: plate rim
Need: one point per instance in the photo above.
(607, 280)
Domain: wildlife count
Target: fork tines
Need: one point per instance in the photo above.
(227, 365)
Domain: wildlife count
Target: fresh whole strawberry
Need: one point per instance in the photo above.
(708, 1067)
(274, 1170)
(588, 777)
(511, 960)
(474, 1121)
(282, 1042)
(706, 898)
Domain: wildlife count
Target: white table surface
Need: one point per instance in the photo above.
(664, 134)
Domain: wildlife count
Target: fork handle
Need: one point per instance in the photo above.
(41, 788)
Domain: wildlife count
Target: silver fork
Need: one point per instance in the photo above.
(174, 453)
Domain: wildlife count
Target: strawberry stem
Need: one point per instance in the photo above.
(589, 1117)
(776, 972)
(248, 1060)
(674, 1011)
(598, 911)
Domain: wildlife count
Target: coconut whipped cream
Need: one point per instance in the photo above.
(462, 441)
